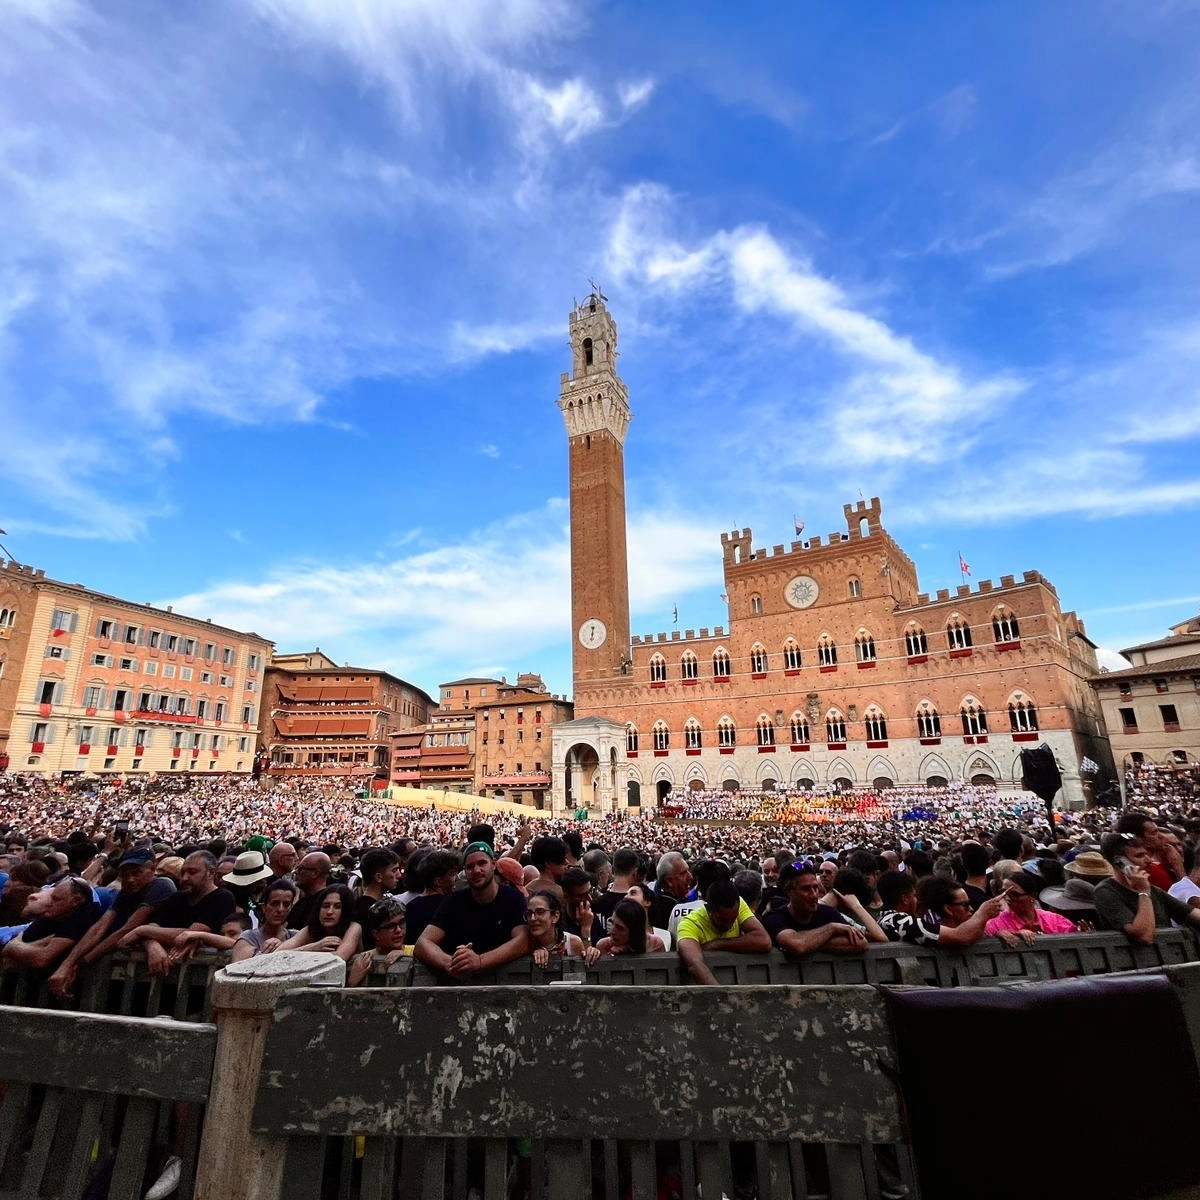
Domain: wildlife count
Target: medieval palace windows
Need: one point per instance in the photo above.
(658, 669)
(827, 651)
(958, 634)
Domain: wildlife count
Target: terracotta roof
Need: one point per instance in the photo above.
(1175, 639)
(1186, 665)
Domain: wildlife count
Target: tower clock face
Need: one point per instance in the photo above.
(592, 633)
(801, 592)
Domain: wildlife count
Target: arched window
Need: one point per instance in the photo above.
(720, 664)
(658, 669)
(587, 352)
(974, 718)
(929, 723)
(827, 651)
(756, 604)
(915, 641)
(766, 730)
(799, 729)
(1004, 626)
(791, 655)
(631, 738)
(864, 647)
(726, 732)
(689, 665)
(958, 634)
(7, 617)
(758, 659)
(1022, 716)
(835, 726)
(662, 736)
(876, 724)
(691, 734)
(855, 588)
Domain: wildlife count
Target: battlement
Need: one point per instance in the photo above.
(856, 514)
(688, 635)
(12, 567)
(986, 586)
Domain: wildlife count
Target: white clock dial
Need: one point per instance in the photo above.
(592, 633)
(801, 592)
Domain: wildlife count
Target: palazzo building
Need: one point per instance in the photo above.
(834, 668)
(92, 684)
(1152, 707)
(322, 719)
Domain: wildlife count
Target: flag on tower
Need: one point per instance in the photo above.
(675, 618)
(963, 566)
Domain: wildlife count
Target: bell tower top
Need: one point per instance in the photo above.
(593, 398)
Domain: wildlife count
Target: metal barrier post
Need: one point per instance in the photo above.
(235, 1163)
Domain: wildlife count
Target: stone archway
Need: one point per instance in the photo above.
(583, 769)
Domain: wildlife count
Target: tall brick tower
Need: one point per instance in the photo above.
(595, 406)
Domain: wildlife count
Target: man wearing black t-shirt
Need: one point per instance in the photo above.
(479, 928)
(70, 912)
(141, 893)
(199, 904)
(804, 924)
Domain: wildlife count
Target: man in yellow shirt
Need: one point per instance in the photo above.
(724, 922)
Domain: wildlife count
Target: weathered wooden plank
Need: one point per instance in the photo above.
(133, 1150)
(304, 1168)
(12, 1117)
(379, 1167)
(642, 1170)
(477, 1062)
(495, 1169)
(39, 1152)
(79, 1160)
(129, 1056)
(567, 1171)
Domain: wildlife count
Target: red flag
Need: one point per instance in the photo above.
(57, 632)
(962, 564)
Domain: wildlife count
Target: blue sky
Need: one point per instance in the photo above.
(284, 288)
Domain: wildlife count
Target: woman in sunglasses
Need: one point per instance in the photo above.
(543, 916)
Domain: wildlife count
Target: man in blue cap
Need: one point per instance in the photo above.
(141, 893)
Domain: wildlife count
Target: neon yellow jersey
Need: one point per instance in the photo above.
(698, 925)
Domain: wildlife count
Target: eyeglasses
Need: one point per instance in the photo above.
(536, 912)
(391, 925)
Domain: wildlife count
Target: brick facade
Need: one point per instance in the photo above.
(834, 669)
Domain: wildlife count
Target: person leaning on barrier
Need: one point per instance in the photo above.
(276, 903)
(198, 905)
(946, 918)
(332, 928)
(725, 922)
(478, 928)
(1129, 902)
(543, 915)
(387, 922)
(142, 892)
(850, 895)
(673, 882)
(578, 888)
(804, 925)
(70, 911)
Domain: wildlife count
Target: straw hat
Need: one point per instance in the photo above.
(1089, 865)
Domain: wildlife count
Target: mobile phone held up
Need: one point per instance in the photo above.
(121, 828)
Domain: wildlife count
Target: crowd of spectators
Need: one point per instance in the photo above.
(1154, 784)
(173, 867)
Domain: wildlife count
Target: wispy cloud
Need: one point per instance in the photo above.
(490, 450)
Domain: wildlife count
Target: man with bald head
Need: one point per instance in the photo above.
(282, 859)
(70, 909)
(312, 875)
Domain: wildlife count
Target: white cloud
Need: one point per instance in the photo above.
(572, 109)
(634, 95)
(490, 450)
(1111, 660)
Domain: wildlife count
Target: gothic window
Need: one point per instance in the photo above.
(915, 641)
(1022, 716)
(864, 647)
(929, 723)
(726, 732)
(720, 664)
(799, 728)
(631, 738)
(691, 734)
(7, 617)
(662, 736)
(658, 669)
(758, 660)
(974, 718)
(827, 651)
(876, 724)
(1004, 626)
(958, 634)
(791, 655)
(689, 665)
(835, 726)
(587, 352)
(855, 588)
(756, 604)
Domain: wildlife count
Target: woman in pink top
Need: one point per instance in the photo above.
(1023, 920)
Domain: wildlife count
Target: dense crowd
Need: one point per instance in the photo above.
(172, 867)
